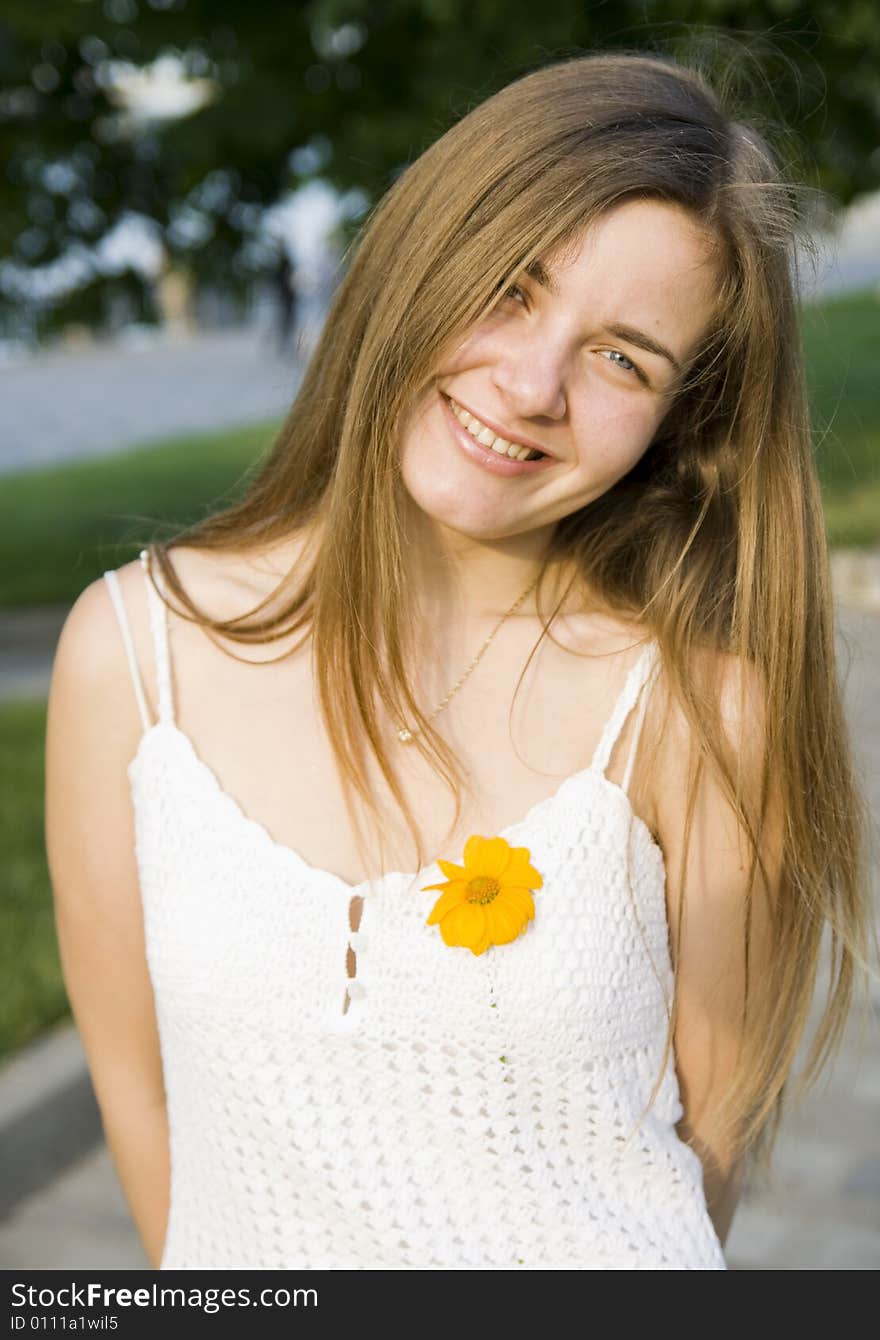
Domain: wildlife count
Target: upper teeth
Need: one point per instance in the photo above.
(490, 439)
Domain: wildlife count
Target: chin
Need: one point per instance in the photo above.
(444, 508)
(441, 499)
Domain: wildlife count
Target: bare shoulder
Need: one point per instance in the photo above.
(90, 669)
(710, 854)
(91, 618)
(92, 675)
(738, 688)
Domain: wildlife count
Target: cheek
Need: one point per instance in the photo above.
(463, 353)
(413, 419)
(611, 435)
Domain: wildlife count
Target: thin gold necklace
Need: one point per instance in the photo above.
(404, 733)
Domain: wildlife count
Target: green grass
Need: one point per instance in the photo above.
(841, 339)
(33, 995)
(852, 517)
(65, 525)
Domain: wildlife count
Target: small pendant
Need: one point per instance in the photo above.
(404, 735)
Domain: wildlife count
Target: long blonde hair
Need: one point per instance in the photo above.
(715, 538)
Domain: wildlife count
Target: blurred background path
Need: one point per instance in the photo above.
(69, 404)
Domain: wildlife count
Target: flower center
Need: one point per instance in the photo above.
(482, 889)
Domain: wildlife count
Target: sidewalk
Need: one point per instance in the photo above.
(65, 1207)
(63, 405)
(28, 637)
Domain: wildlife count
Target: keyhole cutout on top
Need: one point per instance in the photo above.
(355, 911)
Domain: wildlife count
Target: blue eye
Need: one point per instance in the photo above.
(632, 367)
(511, 289)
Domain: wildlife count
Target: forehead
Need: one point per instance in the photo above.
(647, 262)
(658, 233)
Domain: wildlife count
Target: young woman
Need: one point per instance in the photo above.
(478, 927)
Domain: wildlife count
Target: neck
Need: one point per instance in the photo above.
(460, 580)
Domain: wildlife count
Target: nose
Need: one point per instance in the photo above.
(531, 380)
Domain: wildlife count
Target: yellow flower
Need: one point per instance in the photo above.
(486, 901)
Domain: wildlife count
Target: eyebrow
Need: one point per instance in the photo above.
(537, 271)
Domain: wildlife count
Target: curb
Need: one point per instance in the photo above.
(28, 638)
(49, 1116)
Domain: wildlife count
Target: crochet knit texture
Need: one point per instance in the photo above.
(465, 1112)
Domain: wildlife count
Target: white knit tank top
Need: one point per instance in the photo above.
(465, 1112)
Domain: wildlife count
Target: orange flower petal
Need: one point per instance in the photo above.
(521, 899)
(520, 871)
(472, 849)
(464, 925)
(491, 857)
(505, 922)
(450, 869)
(446, 902)
(482, 945)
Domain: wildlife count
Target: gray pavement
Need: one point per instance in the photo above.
(27, 645)
(819, 1211)
(80, 1221)
(65, 404)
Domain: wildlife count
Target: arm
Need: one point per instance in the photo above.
(93, 727)
(711, 969)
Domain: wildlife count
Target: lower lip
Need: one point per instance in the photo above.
(490, 460)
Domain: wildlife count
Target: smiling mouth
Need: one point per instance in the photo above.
(487, 437)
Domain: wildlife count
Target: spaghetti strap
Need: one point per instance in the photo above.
(645, 693)
(633, 686)
(159, 626)
(116, 596)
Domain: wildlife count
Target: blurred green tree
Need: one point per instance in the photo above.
(353, 90)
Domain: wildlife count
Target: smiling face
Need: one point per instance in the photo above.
(552, 368)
